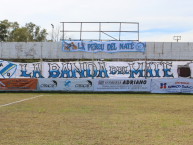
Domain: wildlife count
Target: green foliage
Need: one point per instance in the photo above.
(12, 32)
(19, 35)
(3, 32)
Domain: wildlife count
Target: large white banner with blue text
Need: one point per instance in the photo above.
(177, 85)
(97, 69)
(117, 70)
(107, 46)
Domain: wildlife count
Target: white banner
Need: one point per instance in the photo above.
(108, 46)
(20, 70)
(136, 85)
(65, 84)
(97, 69)
(183, 85)
(118, 70)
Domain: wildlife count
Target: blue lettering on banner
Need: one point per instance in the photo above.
(136, 72)
(54, 74)
(81, 46)
(36, 71)
(174, 86)
(83, 72)
(53, 70)
(79, 69)
(89, 46)
(166, 73)
(74, 74)
(95, 46)
(108, 46)
(24, 71)
(126, 46)
(111, 47)
(157, 73)
(149, 71)
(103, 72)
(88, 69)
(24, 74)
(125, 70)
(113, 70)
(187, 87)
(65, 72)
(89, 75)
(166, 69)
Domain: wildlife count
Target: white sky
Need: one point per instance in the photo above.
(159, 20)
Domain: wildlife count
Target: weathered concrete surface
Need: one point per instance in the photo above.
(53, 50)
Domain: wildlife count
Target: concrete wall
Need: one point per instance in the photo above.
(53, 50)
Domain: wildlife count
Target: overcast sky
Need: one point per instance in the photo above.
(159, 20)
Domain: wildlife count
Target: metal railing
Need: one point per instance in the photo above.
(101, 31)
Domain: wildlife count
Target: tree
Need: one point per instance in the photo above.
(3, 32)
(13, 33)
(19, 35)
(36, 34)
(10, 26)
(30, 28)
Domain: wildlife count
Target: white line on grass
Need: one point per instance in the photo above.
(20, 101)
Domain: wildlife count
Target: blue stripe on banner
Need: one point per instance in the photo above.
(7, 68)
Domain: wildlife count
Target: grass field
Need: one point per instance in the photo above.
(96, 119)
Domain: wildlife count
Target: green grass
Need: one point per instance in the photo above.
(96, 119)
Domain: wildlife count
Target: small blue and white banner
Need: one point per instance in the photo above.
(176, 85)
(108, 46)
(65, 84)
